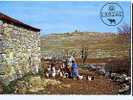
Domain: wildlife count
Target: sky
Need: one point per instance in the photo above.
(59, 17)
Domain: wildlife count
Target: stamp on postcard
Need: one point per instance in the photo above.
(111, 14)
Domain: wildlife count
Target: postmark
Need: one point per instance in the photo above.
(111, 14)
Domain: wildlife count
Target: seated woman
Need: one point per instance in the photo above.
(74, 70)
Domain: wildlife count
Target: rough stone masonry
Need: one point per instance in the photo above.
(19, 49)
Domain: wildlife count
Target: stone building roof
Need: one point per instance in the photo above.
(17, 22)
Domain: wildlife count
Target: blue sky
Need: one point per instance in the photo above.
(59, 17)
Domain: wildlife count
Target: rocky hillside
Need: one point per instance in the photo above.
(99, 45)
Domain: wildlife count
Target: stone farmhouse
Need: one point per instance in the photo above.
(19, 49)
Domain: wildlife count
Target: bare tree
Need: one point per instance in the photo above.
(125, 35)
(84, 54)
(124, 29)
(83, 50)
(124, 32)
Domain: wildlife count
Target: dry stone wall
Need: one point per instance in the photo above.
(92, 53)
(19, 52)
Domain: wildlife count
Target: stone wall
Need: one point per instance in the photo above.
(19, 52)
(92, 53)
(105, 53)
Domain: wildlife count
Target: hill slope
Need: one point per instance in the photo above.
(99, 45)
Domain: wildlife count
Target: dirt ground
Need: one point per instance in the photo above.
(100, 85)
(37, 85)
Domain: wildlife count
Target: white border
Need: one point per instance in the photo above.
(76, 97)
(131, 53)
(64, 97)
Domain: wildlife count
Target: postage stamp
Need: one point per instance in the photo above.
(65, 47)
(112, 14)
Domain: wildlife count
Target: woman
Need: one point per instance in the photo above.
(74, 70)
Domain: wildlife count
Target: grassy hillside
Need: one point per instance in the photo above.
(100, 45)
